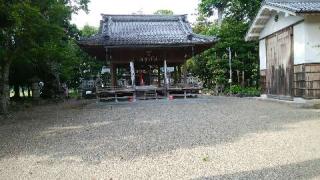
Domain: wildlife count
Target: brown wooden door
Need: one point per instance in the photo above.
(279, 75)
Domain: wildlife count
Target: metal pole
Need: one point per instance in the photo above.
(230, 70)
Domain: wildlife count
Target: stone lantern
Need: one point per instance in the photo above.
(35, 87)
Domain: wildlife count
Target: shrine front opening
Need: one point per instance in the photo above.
(145, 54)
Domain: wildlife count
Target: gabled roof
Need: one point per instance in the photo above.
(289, 7)
(145, 30)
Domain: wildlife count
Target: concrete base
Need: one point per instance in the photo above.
(297, 102)
(314, 103)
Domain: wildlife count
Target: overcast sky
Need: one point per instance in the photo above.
(97, 7)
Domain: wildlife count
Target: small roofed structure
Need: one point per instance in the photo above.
(144, 45)
(289, 37)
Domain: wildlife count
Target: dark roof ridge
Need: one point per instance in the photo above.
(148, 30)
(141, 14)
(290, 1)
(144, 17)
(296, 6)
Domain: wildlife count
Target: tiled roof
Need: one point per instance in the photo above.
(135, 30)
(297, 6)
(289, 7)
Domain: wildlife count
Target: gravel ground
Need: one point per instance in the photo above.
(205, 138)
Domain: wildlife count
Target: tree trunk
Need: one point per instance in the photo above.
(220, 15)
(29, 91)
(184, 71)
(179, 74)
(4, 87)
(16, 90)
(243, 80)
(23, 93)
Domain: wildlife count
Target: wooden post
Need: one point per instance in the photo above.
(150, 76)
(116, 97)
(184, 75)
(156, 93)
(175, 75)
(159, 76)
(243, 81)
(133, 75)
(166, 82)
(166, 78)
(113, 75)
(133, 79)
(238, 75)
(179, 73)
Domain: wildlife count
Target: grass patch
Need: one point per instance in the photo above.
(244, 91)
(205, 159)
(74, 94)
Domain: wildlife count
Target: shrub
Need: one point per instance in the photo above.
(243, 91)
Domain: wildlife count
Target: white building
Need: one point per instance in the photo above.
(289, 39)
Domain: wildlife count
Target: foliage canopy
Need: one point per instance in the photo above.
(37, 41)
(212, 66)
(164, 12)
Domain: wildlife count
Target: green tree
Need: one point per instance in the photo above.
(163, 12)
(88, 31)
(212, 66)
(207, 8)
(33, 31)
(236, 9)
(78, 65)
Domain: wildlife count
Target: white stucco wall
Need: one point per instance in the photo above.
(263, 54)
(312, 39)
(307, 41)
(299, 38)
(272, 26)
(306, 37)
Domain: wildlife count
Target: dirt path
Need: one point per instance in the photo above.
(206, 138)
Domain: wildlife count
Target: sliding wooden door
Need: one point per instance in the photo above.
(279, 75)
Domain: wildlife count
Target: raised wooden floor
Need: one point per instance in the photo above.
(145, 93)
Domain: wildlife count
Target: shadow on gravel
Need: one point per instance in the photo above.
(126, 131)
(303, 170)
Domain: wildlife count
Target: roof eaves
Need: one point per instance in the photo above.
(296, 6)
(269, 6)
(160, 45)
(210, 39)
(247, 37)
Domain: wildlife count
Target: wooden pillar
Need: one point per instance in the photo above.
(175, 75)
(159, 75)
(179, 73)
(113, 75)
(184, 75)
(150, 76)
(166, 82)
(133, 79)
(133, 75)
